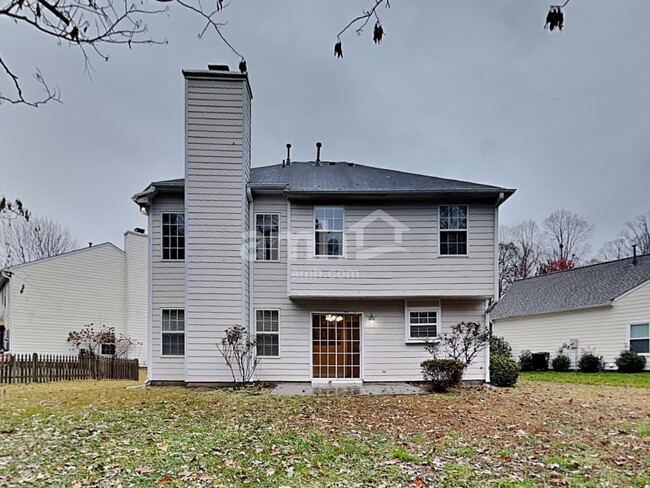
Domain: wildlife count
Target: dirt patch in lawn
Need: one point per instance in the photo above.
(101, 434)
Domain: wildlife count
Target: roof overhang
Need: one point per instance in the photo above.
(492, 197)
(145, 198)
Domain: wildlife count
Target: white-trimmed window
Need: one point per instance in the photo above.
(267, 237)
(422, 323)
(640, 338)
(108, 349)
(173, 332)
(173, 236)
(267, 329)
(453, 230)
(328, 231)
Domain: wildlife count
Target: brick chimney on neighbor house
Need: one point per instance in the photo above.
(217, 170)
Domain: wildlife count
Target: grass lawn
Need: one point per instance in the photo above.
(638, 380)
(82, 434)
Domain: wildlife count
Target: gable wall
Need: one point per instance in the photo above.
(64, 294)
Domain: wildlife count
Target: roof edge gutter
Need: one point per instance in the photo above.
(610, 303)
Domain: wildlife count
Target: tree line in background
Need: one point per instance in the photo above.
(24, 237)
(561, 242)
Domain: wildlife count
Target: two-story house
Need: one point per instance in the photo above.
(342, 271)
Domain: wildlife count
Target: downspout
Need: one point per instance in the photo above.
(288, 248)
(251, 262)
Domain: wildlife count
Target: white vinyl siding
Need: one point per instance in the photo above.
(167, 292)
(68, 292)
(382, 260)
(605, 330)
(217, 169)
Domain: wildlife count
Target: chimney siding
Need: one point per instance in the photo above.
(217, 170)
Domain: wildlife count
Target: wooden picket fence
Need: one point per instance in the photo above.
(35, 368)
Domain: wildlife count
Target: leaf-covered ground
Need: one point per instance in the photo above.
(82, 434)
(637, 380)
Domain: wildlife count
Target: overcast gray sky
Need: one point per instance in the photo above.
(469, 89)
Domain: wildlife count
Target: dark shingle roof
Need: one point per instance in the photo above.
(352, 177)
(586, 287)
(343, 177)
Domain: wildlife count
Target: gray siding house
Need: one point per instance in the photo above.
(342, 271)
(603, 308)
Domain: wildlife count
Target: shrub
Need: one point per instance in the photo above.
(503, 370)
(589, 363)
(630, 362)
(500, 347)
(526, 361)
(442, 374)
(561, 362)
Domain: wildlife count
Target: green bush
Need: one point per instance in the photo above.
(442, 374)
(561, 362)
(500, 347)
(589, 363)
(526, 361)
(630, 362)
(503, 370)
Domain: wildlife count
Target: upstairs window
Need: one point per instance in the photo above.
(422, 324)
(267, 237)
(267, 328)
(453, 230)
(173, 332)
(640, 338)
(328, 228)
(173, 236)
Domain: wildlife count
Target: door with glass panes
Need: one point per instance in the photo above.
(336, 346)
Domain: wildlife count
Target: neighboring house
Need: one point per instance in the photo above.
(603, 308)
(43, 300)
(341, 271)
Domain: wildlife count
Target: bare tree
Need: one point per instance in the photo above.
(508, 265)
(38, 238)
(529, 239)
(637, 231)
(613, 250)
(92, 25)
(11, 210)
(568, 234)
(103, 341)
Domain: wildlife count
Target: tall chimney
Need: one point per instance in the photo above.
(217, 213)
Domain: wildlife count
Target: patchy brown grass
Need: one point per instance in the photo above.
(538, 434)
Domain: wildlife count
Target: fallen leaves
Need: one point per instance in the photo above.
(536, 435)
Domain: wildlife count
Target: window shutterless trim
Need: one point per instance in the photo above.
(279, 233)
(342, 231)
(162, 237)
(629, 335)
(262, 309)
(177, 332)
(466, 230)
(407, 323)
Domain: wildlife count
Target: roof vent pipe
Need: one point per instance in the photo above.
(318, 146)
(634, 261)
(288, 162)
